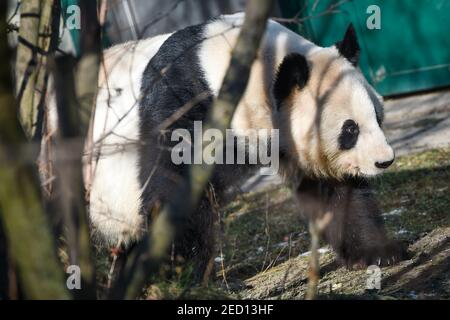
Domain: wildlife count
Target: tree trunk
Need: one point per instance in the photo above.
(28, 234)
(35, 34)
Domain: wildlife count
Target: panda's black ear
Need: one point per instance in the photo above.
(293, 73)
(349, 47)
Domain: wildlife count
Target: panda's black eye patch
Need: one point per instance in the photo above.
(349, 135)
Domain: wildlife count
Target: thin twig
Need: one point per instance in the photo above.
(316, 227)
(296, 20)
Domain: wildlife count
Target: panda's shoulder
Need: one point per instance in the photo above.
(175, 66)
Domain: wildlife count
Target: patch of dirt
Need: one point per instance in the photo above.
(418, 122)
(425, 275)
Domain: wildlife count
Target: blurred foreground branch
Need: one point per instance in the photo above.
(75, 89)
(316, 228)
(28, 234)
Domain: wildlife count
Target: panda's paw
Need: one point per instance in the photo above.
(385, 254)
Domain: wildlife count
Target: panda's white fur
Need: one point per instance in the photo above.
(115, 199)
(115, 190)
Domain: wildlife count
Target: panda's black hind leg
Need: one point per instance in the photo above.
(356, 231)
(196, 244)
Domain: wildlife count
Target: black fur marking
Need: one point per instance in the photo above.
(172, 78)
(349, 135)
(292, 72)
(378, 106)
(349, 47)
(356, 231)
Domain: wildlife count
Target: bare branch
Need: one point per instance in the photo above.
(316, 227)
(332, 8)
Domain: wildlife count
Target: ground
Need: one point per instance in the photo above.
(418, 122)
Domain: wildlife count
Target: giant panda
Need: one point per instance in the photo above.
(328, 116)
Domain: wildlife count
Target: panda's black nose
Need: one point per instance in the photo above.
(384, 165)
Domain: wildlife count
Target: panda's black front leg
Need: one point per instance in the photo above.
(356, 231)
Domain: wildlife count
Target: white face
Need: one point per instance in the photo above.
(350, 130)
(336, 120)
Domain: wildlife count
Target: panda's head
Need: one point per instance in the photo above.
(328, 115)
